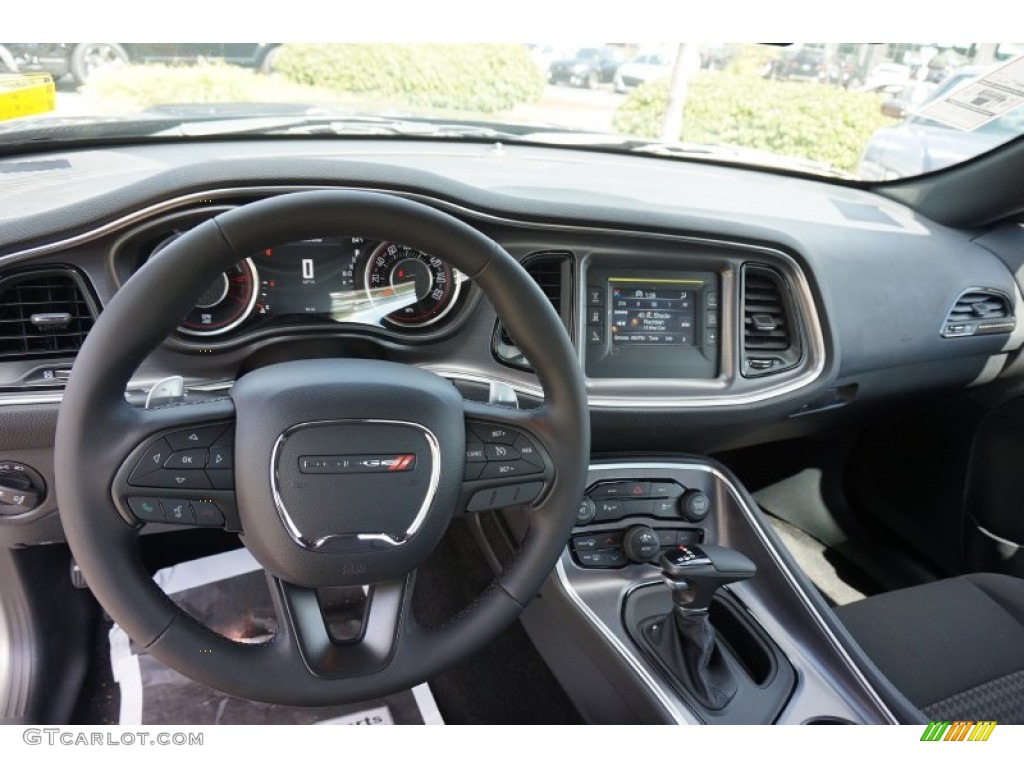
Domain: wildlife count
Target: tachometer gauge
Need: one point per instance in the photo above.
(423, 287)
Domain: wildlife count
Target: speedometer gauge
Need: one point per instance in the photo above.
(426, 282)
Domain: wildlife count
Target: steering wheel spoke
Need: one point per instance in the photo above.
(368, 640)
(181, 468)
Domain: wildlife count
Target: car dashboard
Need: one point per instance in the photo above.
(710, 308)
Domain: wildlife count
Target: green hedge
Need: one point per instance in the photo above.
(478, 77)
(145, 85)
(817, 122)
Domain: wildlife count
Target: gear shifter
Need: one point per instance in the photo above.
(685, 639)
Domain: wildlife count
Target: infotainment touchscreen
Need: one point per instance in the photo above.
(649, 311)
(652, 323)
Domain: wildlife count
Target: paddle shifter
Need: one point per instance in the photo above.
(685, 639)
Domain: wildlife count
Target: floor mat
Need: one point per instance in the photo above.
(228, 592)
(819, 563)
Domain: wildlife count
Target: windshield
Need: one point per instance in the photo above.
(852, 110)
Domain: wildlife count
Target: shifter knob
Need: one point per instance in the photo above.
(695, 573)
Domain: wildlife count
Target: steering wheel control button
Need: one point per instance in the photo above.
(194, 459)
(586, 512)
(492, 433)
(498, 469)
(501, 452)
(207, 513)
(221, 457)
(197, 437)
(178, 511)
(185, 479)
(223, 479)
(473, 471)
(695, 505)
(152, 460)
(505, 496)
(528, 451)
(146, 509)
(475, 452)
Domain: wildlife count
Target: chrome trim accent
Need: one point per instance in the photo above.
(641, 672)
(997, 293)
(7, 685)
(803, 298)
(758, 529)
(324, 542)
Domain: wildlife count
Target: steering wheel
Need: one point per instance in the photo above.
(345, 472)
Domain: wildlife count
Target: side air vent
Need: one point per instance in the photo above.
(979, 312)
(771, 334)
(43, 314)
(553, 273)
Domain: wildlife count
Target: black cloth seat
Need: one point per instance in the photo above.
(955, 648)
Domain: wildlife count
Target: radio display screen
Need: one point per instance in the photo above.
(654, 311)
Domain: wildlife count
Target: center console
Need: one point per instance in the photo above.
(609, 597)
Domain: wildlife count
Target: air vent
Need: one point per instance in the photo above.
(771, 341)
(979, 312)
(553, 273)
(43, 314)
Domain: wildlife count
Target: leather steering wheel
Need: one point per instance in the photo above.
(346, 472)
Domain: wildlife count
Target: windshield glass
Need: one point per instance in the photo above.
(853, 110)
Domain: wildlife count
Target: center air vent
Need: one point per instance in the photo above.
(979, 312)
(553, 273)
(43, 314)
(771, 339)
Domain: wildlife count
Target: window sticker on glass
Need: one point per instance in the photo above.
(982, 100)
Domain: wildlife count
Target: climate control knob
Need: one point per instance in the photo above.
(641, 544)
(694, 505)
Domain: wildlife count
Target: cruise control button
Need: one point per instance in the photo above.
(491, 433)
(500, 452)
(199, 437)
(146, 509)
(473, 471)
(528, 451)
(152, 461)
(178, 511)
(207, 513)
(475, 452)
(504, 497)
(495, 469)
(221, 457)
(177, 478)
(223, 479)
(194, 459)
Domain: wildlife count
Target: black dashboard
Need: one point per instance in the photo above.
(710, 307)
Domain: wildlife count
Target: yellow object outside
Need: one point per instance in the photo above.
(23, 95)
